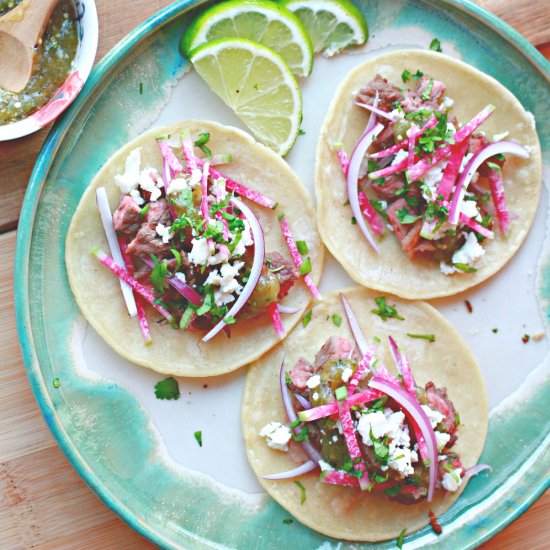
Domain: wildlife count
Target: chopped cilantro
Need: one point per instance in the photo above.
(186, 317)
(428, 337)
(198, 437)
(337, 319)
(167, 389)
(158, 273)
(392, 491)
(141, 88)
(435, 45)
(303, 435)
(301, 132)
(144, 210)
(405, 75)
(229, 320)
(307, 318)
(302, 491)
(381, 451)
(302, 247)
(206, 305)
(494, 330)
(56, 383)
(341, 393)
(288, 521)
(457, 418)
(494, 166)
(428, 91)
(305, 268)
(385, 311)
(177, 255)
(405, 217)
(201, 144)
(400, 539)
(255, 87)
(465, 267)
(280, 216)
(353, 220)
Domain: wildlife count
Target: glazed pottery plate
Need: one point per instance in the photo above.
(138, 453)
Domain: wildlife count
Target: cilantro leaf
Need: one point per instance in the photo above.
(400, 539)
(198, 437)
(385, 311)
(302, 491)
(392, 491)
(302, 247)
(305, 268)
(201, 144)
(405, 75)
(435, 45)
(167, 389)
(336, 319)
(465, 267)
(429, 337)
(307, 318)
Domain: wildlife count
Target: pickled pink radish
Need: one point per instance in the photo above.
(343, 160)
(497, 193)
(166, 179)
(371, 215)
(389, 170)
(451, 170)
(339, 477)
(189, 153)
(175, 165)
(204, 192)
(120, 272)
(477, 227)
(293, 249)
(304, 468)
(427, 163)
(276, 320)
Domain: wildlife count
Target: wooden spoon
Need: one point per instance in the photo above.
(20, 30)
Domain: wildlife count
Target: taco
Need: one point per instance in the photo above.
(204, 224)
(327, 409)
(428, 175)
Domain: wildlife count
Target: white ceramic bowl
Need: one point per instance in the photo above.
(87, 27)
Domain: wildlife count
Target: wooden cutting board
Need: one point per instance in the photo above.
(43, 502)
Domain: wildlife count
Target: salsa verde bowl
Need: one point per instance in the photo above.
(87, 32)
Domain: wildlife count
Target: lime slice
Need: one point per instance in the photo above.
(257, 85)
(263, 22)
(332, 24)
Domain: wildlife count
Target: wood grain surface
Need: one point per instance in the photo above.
(43, 502)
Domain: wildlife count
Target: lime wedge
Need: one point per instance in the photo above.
(261, 21)
(332, 24)
(257, 85)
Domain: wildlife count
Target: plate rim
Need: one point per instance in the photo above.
(24, 235)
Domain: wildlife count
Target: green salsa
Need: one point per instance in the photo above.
(54, 58)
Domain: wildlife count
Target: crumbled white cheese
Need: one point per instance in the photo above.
(397, 113)
(130, 179)
(148, 183)
(314, 381)
(177, 185)
(449, 480)
(470, 252)
(447, 269)
(181, 276)
(226, 279)
(196, 177)
(315, 396)
(412, 128)
(135, 194)
(246, 240)
(164, 232)
(469, 209)
(401, 459)
(221, 256)
(200, 251)
(500, 137)
(174, 141)
(435, 417)
(217, 188)
(432, 179)
(400, 156)
(447, 102)
(325, 466)
(277, 435)
(442, 439)
(451, 127)
(346, 374)
(441, 458)
(384, 423)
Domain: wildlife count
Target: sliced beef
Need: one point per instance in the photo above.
(399, 229)
(387, 94)
(412, 239)
(158, 212)
(126, 218)
(301, 373)
(148, 242)
(437, 90)
(438, 401)
(390, 186)
(335, 347)
(386, 138)
(285, 271)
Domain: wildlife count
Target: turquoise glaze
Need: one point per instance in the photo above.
(103, 428)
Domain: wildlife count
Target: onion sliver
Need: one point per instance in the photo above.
(183, 288)
(303, 401)
(500, 147)
(413, 409)
(353, 178)
(289, 310)
(358, 335)
(136, 285)
(189, 153)
(167, 178)
(403, 366)
(305, 468)
(309, 449)
(256, 270)
(107, 221)
(373, 109)
(167, 153)
(474, 470)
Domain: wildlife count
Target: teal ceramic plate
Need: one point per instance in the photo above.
(138, 453)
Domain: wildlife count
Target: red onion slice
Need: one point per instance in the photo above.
(309, 449)
(189, 153)
(413, 410)
(474, 470)
(353, 179)
(107, 221)
(500, 147)
(255, 272)
(305, 468)
(373, 109)
(303, 401)
(354, 327)
(403, 366)
(288, 310)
